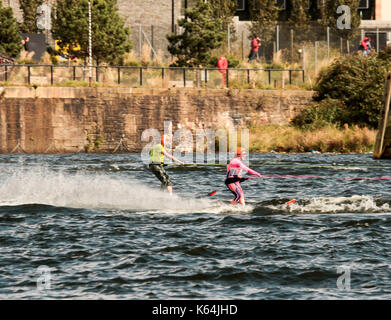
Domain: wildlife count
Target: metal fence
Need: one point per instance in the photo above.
(152, 77)
(283, 38)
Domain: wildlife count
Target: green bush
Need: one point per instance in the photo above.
(322, 114)
(349, 91)
(132, 64)
(232, 62)
(385, 55)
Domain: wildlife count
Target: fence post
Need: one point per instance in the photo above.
(97, 74)
(242, 45)
(140, 46)
(303, 76)
(377, 40)
(119, 75)
(290, 76)
(316, 56)
(229, 39)
(51, 75)
(291, 44)
(341, 44)
(227, 78)
(6, 73)
(248, 76)
(152, 42)
(74, 73)
(28, 74)
(270, 76)
(206, 75)
(328, 43)
(141, 76)
(184, 77)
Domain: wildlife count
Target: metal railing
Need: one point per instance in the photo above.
(146, 76)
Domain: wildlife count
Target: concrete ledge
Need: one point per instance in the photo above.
(84, 92)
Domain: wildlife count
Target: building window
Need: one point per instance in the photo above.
(241, 5)
(364, 4)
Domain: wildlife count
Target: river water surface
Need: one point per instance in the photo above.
(98, 227)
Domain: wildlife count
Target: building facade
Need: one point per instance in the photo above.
(375, 14)
(151, 20)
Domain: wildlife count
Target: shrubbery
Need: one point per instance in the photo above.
(349, 91)
(232, 62)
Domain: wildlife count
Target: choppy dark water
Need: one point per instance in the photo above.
(103, 229)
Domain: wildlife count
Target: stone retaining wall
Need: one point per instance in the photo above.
(57, 120)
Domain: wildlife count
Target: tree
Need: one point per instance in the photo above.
(225, 10)
(299, 19)
(29, 8)
(202, 32)
(336, 17)
(109, 35)
(10, 40)
(264, 15)
(350, 90)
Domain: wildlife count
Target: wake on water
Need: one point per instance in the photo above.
(102, 191)
(353, 204)
(99, 191)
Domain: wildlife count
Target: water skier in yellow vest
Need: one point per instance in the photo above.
(156, 164)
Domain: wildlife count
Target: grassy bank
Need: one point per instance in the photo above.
(329, 139)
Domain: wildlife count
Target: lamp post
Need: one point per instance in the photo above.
(90, 41)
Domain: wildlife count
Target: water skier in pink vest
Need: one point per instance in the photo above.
(234, 177)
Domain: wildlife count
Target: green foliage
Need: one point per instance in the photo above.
(10, 40)
(224, 10)
(109, 35)
(385, 55)
(300, 18)
(322, 114)
(264, 15)
(350, 91)
(232, 62)
(54, 60)
(29, 8)
(202, 32)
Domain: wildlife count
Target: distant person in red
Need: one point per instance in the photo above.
(26, 43)
(222, 64)
(366, 46)
(255, 44)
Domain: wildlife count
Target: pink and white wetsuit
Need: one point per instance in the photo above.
(234, 177)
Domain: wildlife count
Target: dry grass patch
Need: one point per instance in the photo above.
(329, 139)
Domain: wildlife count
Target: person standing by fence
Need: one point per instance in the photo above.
(255, 44)
(366, 46)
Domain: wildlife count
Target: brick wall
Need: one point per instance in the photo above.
(51, 120)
